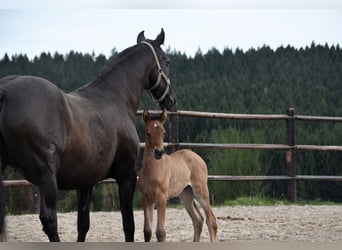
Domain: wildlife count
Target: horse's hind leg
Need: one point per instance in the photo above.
(83, 221)
(187, 197)
(48, 164)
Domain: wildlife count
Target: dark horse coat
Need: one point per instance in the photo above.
(72, 141)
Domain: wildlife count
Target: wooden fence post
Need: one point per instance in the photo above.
(291, 156)
(173, 131)
(173, 138)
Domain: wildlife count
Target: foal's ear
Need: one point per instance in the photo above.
(163, 116)
(141, 37)
(145, 115)
(160, 38)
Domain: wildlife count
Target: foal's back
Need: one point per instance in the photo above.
(186, 158)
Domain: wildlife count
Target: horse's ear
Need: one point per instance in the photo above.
(141, 37)
(160, 38)
(145, 115)
(163, 116)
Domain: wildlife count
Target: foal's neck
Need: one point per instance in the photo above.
(148, 155)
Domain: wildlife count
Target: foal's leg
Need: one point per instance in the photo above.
(187, 197)
(202, 196)
(161, 202)
(84, 199)
(48, 200)
(148, 219)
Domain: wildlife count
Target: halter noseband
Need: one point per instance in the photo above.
(161, 75)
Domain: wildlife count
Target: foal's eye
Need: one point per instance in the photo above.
(148, 135)
(164, 134)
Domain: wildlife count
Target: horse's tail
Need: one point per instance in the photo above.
(2, 209)
(2, 198)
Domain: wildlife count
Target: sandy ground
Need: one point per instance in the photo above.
(235, 224)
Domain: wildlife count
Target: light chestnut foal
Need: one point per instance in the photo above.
(182, 173)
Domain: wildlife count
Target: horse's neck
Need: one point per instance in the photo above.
(130, 89)
(123, 82)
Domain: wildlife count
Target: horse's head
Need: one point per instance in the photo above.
(155, 133)
(158, 82)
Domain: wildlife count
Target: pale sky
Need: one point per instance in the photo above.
(37, 26)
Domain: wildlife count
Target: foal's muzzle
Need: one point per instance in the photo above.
(158, 153)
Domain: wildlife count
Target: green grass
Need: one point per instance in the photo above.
(254, 201)
(262, 201)
(319, 203)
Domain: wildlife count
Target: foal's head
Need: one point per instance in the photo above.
(155, 133)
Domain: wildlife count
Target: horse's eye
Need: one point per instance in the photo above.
(167, 60)
(164, 134)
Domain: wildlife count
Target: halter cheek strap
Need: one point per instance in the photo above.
(161, 74)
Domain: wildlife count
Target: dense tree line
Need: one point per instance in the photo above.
(259, 80)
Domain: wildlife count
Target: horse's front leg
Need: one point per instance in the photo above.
(83, 221)
(161, 210)
(126, 193)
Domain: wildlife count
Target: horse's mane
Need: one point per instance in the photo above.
(115, 60)
(109, 66)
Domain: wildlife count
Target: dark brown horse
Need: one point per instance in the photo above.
(72, 141)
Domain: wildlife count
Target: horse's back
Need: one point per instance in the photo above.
(27, 82)
(30, 119)
(30, 95)
(30, 101)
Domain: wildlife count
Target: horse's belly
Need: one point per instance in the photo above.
(81, 175)
(84, 162)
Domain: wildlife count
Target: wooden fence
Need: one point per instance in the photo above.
(289, 147)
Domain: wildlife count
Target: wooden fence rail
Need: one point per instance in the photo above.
(290, 148)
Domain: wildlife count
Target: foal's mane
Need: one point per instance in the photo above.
(153, 116)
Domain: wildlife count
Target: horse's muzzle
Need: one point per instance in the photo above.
(158, 153)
